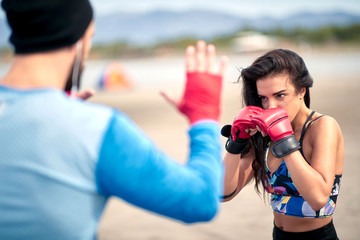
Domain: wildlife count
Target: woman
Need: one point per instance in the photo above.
(303, 170)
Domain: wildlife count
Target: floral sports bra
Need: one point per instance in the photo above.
(285, 198)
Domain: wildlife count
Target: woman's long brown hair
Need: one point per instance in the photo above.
(273, 63)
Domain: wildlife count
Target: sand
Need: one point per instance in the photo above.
(248, 216)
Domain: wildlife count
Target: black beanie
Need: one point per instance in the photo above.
(43, 25)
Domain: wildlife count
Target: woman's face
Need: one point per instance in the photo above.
(279, 91)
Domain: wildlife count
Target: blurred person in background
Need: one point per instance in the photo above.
(295, 154)
(62, 158)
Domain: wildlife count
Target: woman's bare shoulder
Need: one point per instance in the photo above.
(324, 126)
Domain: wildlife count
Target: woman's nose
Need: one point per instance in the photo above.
(272, 104)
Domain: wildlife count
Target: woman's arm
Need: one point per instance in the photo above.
(238, 173)
(238, 169)
(315, 181)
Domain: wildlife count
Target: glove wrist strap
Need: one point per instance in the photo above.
(236, 147)
(285, 146)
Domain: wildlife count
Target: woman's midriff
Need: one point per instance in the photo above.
(298, 224)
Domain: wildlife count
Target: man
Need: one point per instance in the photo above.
(62, 158)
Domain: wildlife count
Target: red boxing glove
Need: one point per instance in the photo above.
(243, 121)
(236, 134)
(201, 99)
(275, 122)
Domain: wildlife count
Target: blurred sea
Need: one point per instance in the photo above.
(170, 71)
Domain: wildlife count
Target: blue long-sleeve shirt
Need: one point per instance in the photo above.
(61, 159)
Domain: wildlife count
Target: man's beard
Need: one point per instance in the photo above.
(69, 81)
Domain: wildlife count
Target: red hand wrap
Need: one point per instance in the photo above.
(201, 99)
(243, 121)
(275, 122)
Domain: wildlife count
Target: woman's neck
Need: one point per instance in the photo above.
(300, 118)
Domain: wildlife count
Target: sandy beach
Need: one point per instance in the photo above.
(248, 216)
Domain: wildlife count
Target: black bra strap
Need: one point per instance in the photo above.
(303, 131)
(305, 128)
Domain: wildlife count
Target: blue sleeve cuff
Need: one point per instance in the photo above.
(204, 121)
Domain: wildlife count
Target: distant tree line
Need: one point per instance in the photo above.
(341, 35)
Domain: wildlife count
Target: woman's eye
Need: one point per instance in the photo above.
(262, 98)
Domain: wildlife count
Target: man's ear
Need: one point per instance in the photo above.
(87, 40)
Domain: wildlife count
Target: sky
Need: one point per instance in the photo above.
(250, 8)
